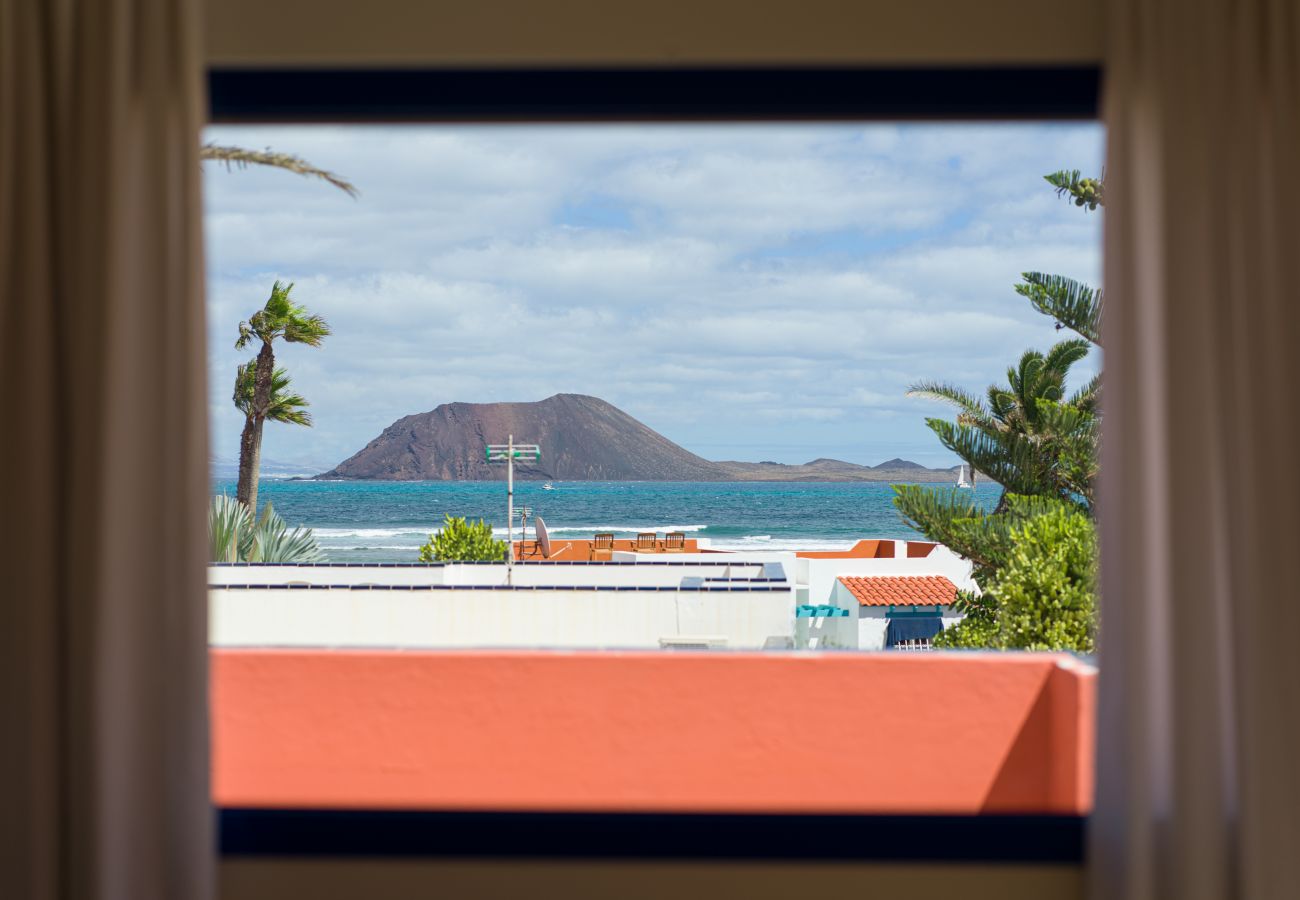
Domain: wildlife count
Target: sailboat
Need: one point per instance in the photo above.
(961, 477)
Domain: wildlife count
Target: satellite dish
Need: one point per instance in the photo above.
(543, 539)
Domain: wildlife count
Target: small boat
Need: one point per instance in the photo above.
(548, 487)
(961, 477)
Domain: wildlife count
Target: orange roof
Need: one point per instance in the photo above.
(900, 590)
(872, 549)
(869, 549)
(564, 550)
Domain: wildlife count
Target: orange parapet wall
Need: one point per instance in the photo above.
(583, 550)
(748, 732)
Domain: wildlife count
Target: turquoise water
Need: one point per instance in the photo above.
(365, 521)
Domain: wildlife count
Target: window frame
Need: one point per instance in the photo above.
(678, 94)
(699, 94)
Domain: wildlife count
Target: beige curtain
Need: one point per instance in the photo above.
(1199, 756)
(103, 678)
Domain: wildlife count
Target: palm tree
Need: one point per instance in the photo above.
(284, 407)
(1026, 435)
(239, 156)
(1014, 406)
(1038, 443)
(279, 318)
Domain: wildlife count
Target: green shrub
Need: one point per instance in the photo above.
(1044, 597)
(1046, 594)
(462, 541)
(977, 631)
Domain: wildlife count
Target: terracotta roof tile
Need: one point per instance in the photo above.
(900, 590)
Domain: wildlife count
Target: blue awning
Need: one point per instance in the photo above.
(912, 628)
(807, 611)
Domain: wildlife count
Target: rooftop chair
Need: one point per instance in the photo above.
(646, 542)
(675, 542)
(602, 546)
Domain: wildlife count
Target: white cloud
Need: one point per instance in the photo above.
(753, 292)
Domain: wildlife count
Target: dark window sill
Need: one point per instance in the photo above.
(556, 835)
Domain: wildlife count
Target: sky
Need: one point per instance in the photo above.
(752, 292)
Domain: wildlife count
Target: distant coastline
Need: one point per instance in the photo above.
(873, 475)
(928, 476)
(583, 439)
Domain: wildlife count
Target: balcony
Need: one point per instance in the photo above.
(814, 733)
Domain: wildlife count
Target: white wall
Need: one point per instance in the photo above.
(450, 617)
(555, 574)
(556, 618)
(323, 574)
(822, 575)
(826, 633)
(784, 557)
(872, 626)
(562, 574)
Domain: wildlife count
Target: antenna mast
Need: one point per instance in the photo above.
(508, 453)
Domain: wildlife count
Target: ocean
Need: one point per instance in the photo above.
(380, 521)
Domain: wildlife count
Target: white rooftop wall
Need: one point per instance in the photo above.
(325, 574)
(657, 573)
(652, 573)
(448, 617)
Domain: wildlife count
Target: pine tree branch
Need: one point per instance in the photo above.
(1086, 192)
(1072, 304)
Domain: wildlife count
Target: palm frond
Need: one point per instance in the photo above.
(306, 329)
(282, 407)
(281, 317)
(969, 406)
(280, 304)
(230, 530)
(275, 542)
(289, 409)
(1086, 397)
(1065, 354)
(245, 377)
(245, 335)
(1002, 402)
(242, 158)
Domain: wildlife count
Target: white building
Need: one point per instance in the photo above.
(880, 595)
(877, 595)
